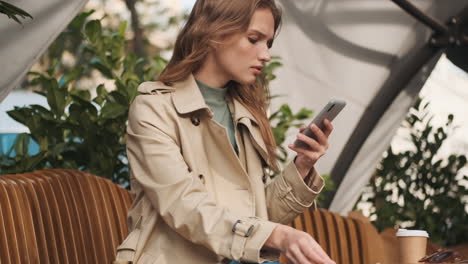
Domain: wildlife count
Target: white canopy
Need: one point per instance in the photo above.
(360, 51)
(21, 46)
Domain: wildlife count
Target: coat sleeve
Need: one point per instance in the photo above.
(288, 195)
(177, 194)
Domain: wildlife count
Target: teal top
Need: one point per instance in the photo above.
(215, 98)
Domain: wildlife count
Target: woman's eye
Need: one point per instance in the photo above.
(253, 41)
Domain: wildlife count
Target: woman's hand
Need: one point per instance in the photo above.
(298, 247)
(306, 158)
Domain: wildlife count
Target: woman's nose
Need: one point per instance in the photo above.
(264, 55)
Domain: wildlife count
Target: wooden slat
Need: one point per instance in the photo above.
(309, 223)
(23, 221)
(121, 209)
(107, 217)
(16, 215)
(342, 240)
(30, 184)
(298, 223)
(68, 218)
(79, 229)
(321, 228)
(354, 242)
(82, 190)
(8, 244)
(56, 219)
(331, 235)
(100, 223)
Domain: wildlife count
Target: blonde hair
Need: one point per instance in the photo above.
(209, 22)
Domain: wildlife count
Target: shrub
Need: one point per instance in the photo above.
(417, 188)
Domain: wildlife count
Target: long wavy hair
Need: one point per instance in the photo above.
(209, 22)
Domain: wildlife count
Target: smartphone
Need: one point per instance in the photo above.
(330, 111)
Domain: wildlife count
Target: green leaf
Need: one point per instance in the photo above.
(71, 76)
(87, 106)
(304, 113)
(97, 64)
(117, 97)
(286, 111)
(21, 144)
(20, 114)
(113, 110)
(93, 31)
(83, 95)
(43, 112)
(12, 11)
(41, 93)
(34, 161)
(101, 90)
(122, 28)
(74, 113)
(79, 20)
(56, 97)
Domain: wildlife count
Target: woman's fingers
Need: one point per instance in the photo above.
(328, 127)
(312, 143)
(299, 256)
(312, 256)
(311, 155)
(314, 252)
(322, 139)
(318, 250)
(302, 128)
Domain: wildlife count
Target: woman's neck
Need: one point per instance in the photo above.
(211, 75)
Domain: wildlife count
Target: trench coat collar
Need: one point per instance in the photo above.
(187, 96)
(188, 99)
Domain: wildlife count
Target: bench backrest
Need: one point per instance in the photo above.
(346, 240)
(60, 216)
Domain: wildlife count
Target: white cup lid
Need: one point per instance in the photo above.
(411, 233)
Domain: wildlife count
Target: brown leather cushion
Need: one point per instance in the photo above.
(61, 216)
(346, 240)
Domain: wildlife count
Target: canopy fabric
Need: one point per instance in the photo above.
(21, 46)
(350, 49)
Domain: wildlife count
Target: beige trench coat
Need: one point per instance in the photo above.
(195, 200)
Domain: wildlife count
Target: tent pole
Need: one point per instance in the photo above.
(394, 85)
(435, 25)
(406, 69)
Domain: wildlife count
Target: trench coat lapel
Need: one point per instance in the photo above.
(187, 98)
(243, 116)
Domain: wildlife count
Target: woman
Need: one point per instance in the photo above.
(198, 154)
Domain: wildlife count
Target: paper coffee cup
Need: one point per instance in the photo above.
(412, 245)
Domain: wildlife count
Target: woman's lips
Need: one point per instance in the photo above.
(257, 70)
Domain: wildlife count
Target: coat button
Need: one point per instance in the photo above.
(202, 179)
(195, 121)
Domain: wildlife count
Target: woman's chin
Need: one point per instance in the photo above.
(248, 81)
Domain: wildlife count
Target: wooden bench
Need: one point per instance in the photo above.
(68, 216)
(346, 240)
(60, 216)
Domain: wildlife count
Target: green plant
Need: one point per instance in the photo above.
(418, 188)
(13, 12)
(79, 132)
(282, 120)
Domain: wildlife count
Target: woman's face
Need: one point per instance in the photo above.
(241, 57)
